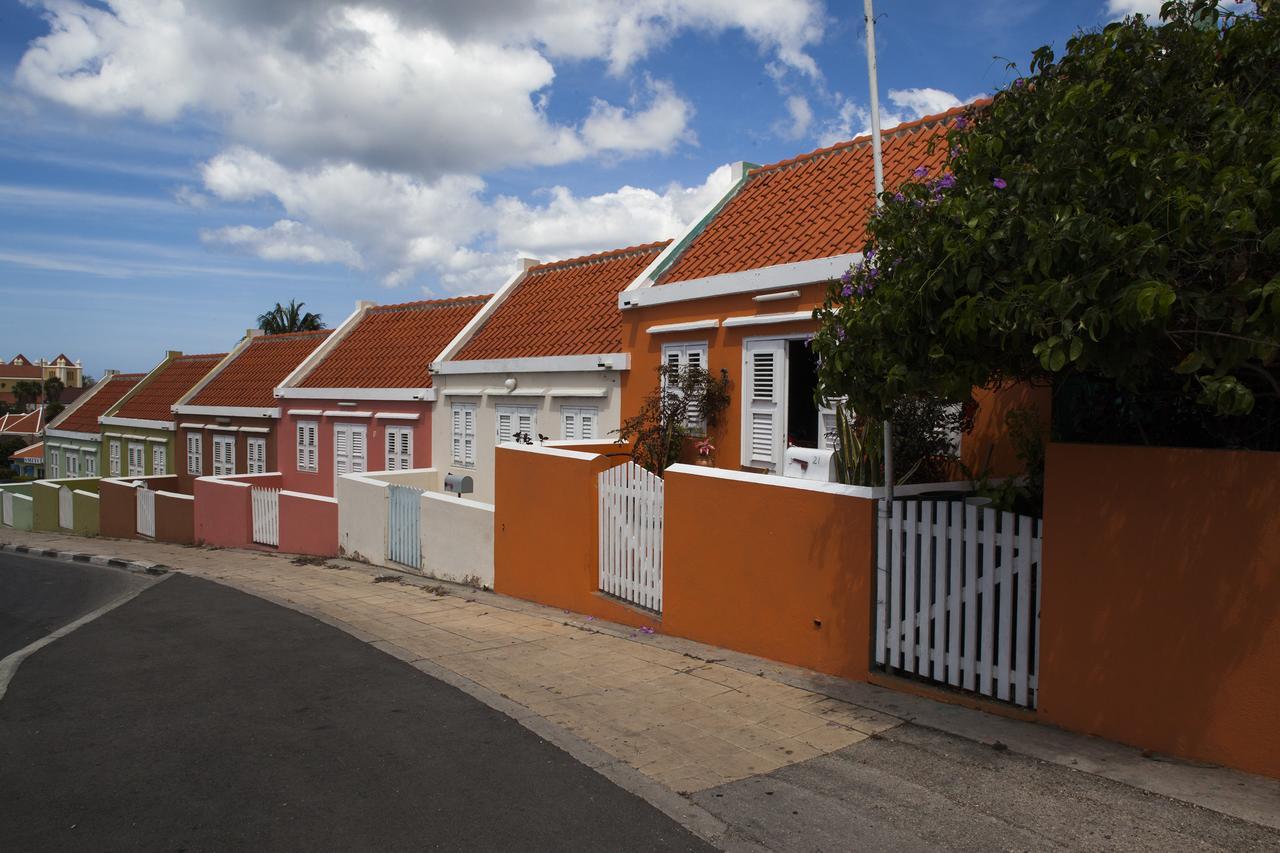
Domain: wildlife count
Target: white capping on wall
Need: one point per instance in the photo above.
(578, 392)
(774, 297)
(691, 326)
(768, 319)
(342, 413)
(305, 413)
(395, 416)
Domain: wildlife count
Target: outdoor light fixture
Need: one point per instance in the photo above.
(510, 384)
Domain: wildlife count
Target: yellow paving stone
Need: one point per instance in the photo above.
(831, 737)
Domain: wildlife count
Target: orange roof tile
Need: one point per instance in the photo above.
(813, 206)
(25, 423)
(32, 452)
(84, 418)
(563, 308)
(154, 401)
(250, 378)
(391, 346)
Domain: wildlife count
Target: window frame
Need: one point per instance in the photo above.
(577, 411)
(463, 441)
(307, 458)
(396, 457)
(195, 452)
(698, 425)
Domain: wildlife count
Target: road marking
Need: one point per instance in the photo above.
(9, 665)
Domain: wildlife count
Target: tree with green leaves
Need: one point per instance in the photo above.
(26, 392)
(53, 388)
(1114, 217)
(289, 318)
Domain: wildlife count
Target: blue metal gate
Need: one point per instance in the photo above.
(404, 518)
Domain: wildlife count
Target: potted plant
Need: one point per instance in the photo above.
(705, 450)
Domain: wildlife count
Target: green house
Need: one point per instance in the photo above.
(73, 440)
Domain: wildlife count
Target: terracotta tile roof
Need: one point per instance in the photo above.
(391, 346)
(32, 453)
(252, 375)
(563, 308)
(21, 371)
(26, 423)
(812, 206)
(84, 418)
(154, 401)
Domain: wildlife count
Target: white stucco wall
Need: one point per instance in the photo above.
(548, 418)
(362, 517)
(457, 539)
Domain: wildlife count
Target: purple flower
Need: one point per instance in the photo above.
(871, 255)
(920, 172)
(999, 183)
(846, 291)
(847, 277)
(899, 197)
(1017, 84)
(947, 181)
(840, 332)
(646, 630)
(961, 122)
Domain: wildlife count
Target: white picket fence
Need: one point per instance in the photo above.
(631, 535)
(146, 511)
(958, 597)
(6, 508)
(266, 515)
(66, 510)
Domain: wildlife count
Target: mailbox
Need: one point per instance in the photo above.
(807, 463)
(458, 484)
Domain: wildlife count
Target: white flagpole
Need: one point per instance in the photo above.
(878, 166)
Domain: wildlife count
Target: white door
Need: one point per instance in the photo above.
(763, 422)
(349, 449)
(224, 455)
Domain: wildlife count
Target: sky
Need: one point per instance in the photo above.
(169, 169)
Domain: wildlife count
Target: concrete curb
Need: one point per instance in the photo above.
(140, 567)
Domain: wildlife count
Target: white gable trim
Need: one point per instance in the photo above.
(218, 368)
(423, 394)
(228, 411)
(318, 354)
(546, 364)
(482, 316)
(66, 433)
(747, 281)
(141, 423)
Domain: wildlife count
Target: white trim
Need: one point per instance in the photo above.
(768, 319)
(113, 435)
(311, 497)
(746, 281)
(395, 416)
(262, 430)
(157, 440)
(683, 327)
(344, 413)
(551, 451)
(544, 364)
(578, 392)
(140, 423)
(192, 426)
(425, 394)
(228, 411)
(482, 316)
(305, 413)
(775, 297)
(220, 428)
(134, 437)
(326, 346)
(76, 436)
(461, 392)
(501, 391)
(175, 495)
(865, 492)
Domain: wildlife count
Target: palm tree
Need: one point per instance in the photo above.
(53, 388)
(26, 392)
(289, 318)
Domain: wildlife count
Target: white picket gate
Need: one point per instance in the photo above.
(958, 597)
(266, 515)
(404, 525)
(6, 507)
(631, 535)
(66, 511)
(146, 511)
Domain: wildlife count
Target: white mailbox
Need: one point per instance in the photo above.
(806, 463)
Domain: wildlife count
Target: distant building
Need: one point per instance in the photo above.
(20, 368)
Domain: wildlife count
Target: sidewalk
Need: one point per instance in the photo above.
(710, 724)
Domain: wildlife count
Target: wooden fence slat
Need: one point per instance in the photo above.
(1004, 578)
(1025, 618)
(630, 507)
(955, 541)
(910, 569)
(987, 649)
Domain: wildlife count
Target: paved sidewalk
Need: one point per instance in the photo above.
(684, 722)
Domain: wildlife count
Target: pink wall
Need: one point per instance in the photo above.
(223, 514)
(321, 481)
(308, 524)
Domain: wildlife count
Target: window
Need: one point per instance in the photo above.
(681, 357)
(159, 459)
(90, 463)
(464, 433)
(779, 380)
(578, 423)
(399, 448)
(55, 469)
(349, 449)
(308, 440)
(514, 419)
(72, 462)
(256, 450)
(113, 458)
(224, 455)
(137, 460)
(195, 453)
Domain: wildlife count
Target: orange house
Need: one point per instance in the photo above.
(737, 291)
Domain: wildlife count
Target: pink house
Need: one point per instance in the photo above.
(362, 401)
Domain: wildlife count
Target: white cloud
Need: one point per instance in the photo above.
(852, 119)
(1118, 9)
(286, 240)
(425, 88)
(922, 102)
(800, 115)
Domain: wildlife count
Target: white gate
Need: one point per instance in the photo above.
(6, 507)
(631, 535)
(404, 521)
(146, 511)
(66, 512)
(266, 515)
(958, 597)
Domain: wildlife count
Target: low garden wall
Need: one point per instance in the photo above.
(457, 539)
(118, 504)
(224, 512)
(175, 517)
(45, 505)
(308, 524)
(20, 505)
(1160, 613)
(85, 507)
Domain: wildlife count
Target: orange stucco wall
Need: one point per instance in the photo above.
(780, 572)
(724, 350)
(224, 512)
(1160, 612)
(988, 442)
(308, 524)
(175, 518)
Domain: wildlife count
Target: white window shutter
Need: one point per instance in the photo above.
(587, 424)
(764, 372)
(392, 458)
(358, 450)
(569, 424)
(457, 434)
(525, 422)
(341, 450)
(505, 420)
(469, 436)
(302, 447)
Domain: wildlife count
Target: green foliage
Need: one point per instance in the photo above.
(658, 431)
(52, 410)
(289, 318)
(26, 392)
(924, 430)
(53, 388)
(1115, 215)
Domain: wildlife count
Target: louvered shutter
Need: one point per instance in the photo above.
(359, 450)
(569, 423)
(469, 435)
(457, 433)
(587, 423)
(399, 442)
(313, 450)
(392, 457)
(406, 448)
(525, 422)
(159, 460)
(763, 376)
(506, 418)
(341, 450)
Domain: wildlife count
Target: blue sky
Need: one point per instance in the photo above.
(168, 171)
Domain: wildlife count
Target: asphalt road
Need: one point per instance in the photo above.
(195, 717)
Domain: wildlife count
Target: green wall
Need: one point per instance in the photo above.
(45, 504)
(21, 518)
(82, 447)
(140, 435)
